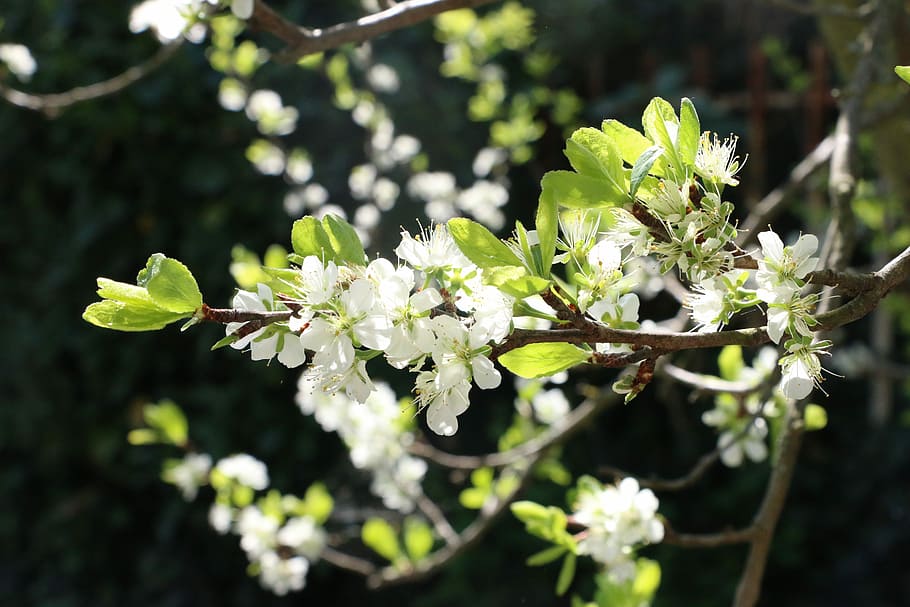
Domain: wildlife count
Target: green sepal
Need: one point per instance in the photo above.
(480, 245)
(543, 359)
(575, 191)
(224, 341)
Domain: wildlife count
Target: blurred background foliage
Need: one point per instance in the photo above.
(161, 167)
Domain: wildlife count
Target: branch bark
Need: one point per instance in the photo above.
(52, 104)
(302, 41)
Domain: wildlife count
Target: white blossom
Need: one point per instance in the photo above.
(245, 470)
(190, 473)
(18, 59)
(280, 575)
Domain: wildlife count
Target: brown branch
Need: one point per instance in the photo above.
(469, 537)
(346, 561)
(707, 540)
(432, 511)
(555, 434)
(52, 104)
(302, 41)
(709, 383)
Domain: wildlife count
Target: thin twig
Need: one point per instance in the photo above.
(707, 540)
(442, 525)
(555, 434)
(52, 104)
(302, 41)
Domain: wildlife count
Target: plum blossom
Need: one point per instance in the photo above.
(620, 518)
(189, 474)
(715, 160)
(269, 341)
(245, 470)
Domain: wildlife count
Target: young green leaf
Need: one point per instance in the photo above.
(120, 316)
(542, 359)
(345, 241)
(123, 292)
(689, 132)
(308, 237)
(418, 538)
(631, 143)
(546, 556)
(903, 71)
(566, 574)
(318, 503)
(642, 167)
(515, 281)
(730, 362)
(480, 245)
(378, 535)
(597, 148)
(171, 285)
(547, 224)
(576, 191)
(815, 417)
(662, 126)
(168, 419)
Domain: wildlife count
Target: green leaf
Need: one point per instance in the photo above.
(473, 498)
(542, 359)
(120, 316)
(418, 538)
(547, 224)
(168, 419)
(566, 574)
(171, 285)
(576, 191)
(529, 512)
(815, 417)
(318, 503)
(597, 155)
(630, 143)
(689, 132)
(480, 245)
(903, 71)
(345, 241)
(379, 535)
(515, 280)
(661, 126)
(142, 436)
(308, 237)
(730, 362)
(546, 556)
(123, 292)
(643, 166)
(647, 579)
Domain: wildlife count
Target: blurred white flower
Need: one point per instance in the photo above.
(18, 60)
(383, 78)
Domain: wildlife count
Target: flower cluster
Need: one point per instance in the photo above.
(741, 420)
(343, 315)
(377, 434)
(619, 519)
(279, 534)
(781, 277)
